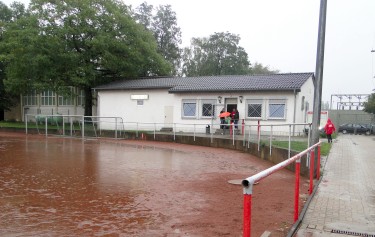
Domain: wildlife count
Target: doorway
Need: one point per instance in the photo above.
(230, 104)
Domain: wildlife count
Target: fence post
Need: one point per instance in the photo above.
(154, 131)
(318, 165)
(258, 127)
(116, 128)
(26, 123)
(83, 127)
(243, 127)
(46, 125)
(248, 140)
(71, 126)
(290, 140)
(296, 190)
(63, 118)
(194, 131)
(174, 132)
(271, 140)
(247, 210)
(311, 172)
(258, 137)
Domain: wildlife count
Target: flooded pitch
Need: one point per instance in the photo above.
(70, 187)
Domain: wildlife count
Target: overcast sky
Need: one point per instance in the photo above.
(283, 34)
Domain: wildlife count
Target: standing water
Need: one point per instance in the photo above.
(71, 187)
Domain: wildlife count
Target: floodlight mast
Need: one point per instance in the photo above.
(318, 83)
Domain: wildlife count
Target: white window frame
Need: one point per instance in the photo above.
(183, 102)
(211, 102)
(80, 97)
(272, 102)
(255, 102)
(66, 100)
(48, 98)
(30, 99)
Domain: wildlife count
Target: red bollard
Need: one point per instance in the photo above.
(231, 128)
(318, 168)
(311, 172)
(296, 190)
(258, 127)
(246, 215)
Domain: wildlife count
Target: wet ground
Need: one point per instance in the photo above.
(69, 187)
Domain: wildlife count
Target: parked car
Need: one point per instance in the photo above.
(371, 127)
(354, 128)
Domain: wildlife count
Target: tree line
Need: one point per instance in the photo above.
(55, 44)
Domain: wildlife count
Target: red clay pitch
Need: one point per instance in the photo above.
(69, 187)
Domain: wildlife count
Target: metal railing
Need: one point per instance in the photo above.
(249, 182)
(74, 125)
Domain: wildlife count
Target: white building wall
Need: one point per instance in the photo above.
(160, 105)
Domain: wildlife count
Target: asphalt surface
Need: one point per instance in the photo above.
(344, 204)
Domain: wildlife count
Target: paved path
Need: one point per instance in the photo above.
(345, 199)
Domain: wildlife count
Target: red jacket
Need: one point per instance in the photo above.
(330, 127)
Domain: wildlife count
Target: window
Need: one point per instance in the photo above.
(208, 108)
(67, 99)
(189, 109)
(277, 109)
(81, 98)
(254, 108)
(30, 99)
(48, 98)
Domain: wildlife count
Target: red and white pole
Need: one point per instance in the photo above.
(243, 126)
(231, 128)
(318, 164)
(311, 172)
(296, 189)
(247, 215)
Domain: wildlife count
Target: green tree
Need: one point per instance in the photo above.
(7, 15)
(78, 43)
(218, 54)
(369, 106)
(258, 68)
(162, 22)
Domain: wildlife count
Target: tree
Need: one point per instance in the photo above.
(7, 15)
(163, 25)
(218, 54)
(78, 43)
(258, 68)
(369, 106)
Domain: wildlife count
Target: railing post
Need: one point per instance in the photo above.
(311, 172)
(194, 131)
(26, 123)
(271, 140)
(83, 127)
(318, 165)
(296, 190)
(174, 132)
(289, 140)
(247, 210)
(71, 126)
(46, 125)
(248, 140)
(63, 125)
(136, 131)
(116, 128)
(258, 137)
(243, 127)
(154, 131)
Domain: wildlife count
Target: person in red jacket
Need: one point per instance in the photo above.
(329, 129)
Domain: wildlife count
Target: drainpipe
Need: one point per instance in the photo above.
(294, 112)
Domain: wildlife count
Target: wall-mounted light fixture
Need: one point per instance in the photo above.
(241, 98)
(219, 98)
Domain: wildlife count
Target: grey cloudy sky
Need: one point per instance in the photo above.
(283, 34)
